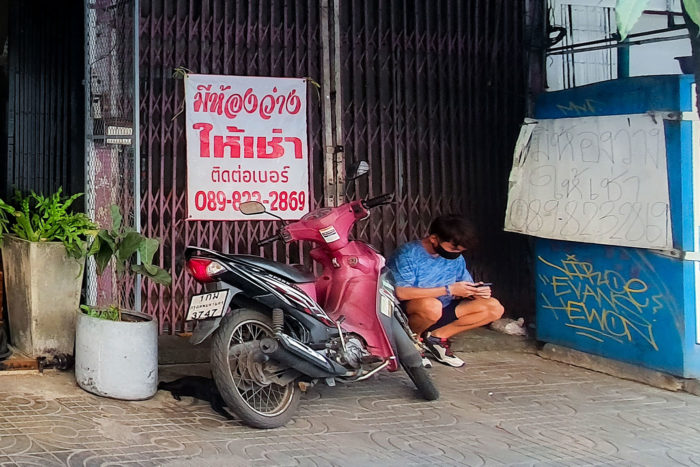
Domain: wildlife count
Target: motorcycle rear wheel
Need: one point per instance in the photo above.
(423, 382)
(259, 406)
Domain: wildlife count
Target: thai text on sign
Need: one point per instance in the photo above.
(246, 141)
(593, 180)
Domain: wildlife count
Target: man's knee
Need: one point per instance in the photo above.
(489, 308)
(495, 309)
(429, 309)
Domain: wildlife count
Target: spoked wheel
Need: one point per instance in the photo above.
(248, 386)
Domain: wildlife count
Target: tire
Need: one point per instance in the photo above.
(259, 406)
(423, 382)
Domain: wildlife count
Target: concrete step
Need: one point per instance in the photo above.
(485, 339)
(178, 350)
(173, 350)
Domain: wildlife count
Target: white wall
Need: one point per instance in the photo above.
(657, 58)
(588, 20)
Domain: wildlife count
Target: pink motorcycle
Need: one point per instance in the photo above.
(278, 330)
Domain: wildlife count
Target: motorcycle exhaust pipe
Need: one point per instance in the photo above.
(295, 355)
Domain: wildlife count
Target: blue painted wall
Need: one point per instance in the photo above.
(623, 303)
(629, 304)
(621, 96)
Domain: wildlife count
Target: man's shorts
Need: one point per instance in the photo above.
(449, 314)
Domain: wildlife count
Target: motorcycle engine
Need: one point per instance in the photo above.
(353, 353)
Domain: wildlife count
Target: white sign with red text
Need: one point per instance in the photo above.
(246, 141)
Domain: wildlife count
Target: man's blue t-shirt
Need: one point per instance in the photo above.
(413, 266)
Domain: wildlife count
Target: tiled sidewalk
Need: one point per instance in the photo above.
(503, 408)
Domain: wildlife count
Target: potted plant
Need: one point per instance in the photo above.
(116, 351)
(44, 245)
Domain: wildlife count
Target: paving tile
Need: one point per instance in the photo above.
(14, 443)
(503, 408)
(39, 460)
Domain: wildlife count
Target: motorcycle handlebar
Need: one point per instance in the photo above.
(386, 198)
(267, 240)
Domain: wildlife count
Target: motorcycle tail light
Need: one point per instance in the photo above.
(204, 270)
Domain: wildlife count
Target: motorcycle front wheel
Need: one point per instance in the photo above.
(418, 374)
(423, 382)
(258, 405)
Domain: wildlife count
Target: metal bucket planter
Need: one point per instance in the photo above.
(117, 359)
(43, 291)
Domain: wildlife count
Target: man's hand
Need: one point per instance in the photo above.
(469, 289)
(458, 290)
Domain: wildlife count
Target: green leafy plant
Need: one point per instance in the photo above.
(111, 313)
(39, 218)
(5, 210)
(628, 13)
(120, 245)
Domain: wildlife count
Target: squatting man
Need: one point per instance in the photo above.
(436, 290)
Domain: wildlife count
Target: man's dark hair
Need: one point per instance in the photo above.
(455, 229)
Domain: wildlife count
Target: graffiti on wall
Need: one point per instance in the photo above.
(587, 107)
(600, 305)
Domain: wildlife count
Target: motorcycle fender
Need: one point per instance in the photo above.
(206, 327)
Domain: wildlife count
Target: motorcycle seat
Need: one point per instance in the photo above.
(285, 271)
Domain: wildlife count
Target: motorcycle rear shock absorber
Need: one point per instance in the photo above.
(277, 320)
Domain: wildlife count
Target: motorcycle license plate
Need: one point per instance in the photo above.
(207, 305)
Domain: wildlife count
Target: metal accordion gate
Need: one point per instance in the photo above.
(430, 93)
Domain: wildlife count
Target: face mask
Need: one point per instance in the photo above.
(447, 254)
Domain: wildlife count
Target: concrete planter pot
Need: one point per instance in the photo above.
(117, 359)
(43, 291)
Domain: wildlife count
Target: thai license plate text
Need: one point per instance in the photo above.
(207, 305)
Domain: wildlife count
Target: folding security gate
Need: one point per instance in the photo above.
(41, 104)
(430, 92)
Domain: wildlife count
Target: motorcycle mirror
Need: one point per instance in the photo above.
(250, 208)
(357, 169)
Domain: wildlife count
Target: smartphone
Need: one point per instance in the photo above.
(485, 284)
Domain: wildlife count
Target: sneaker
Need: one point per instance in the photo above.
(424, 360)
(440, 350)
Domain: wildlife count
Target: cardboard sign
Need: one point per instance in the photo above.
(592, 179)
